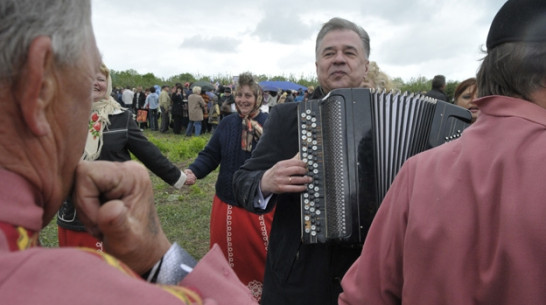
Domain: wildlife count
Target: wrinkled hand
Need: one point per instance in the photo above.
(115, 202)
(287, 176)
(190, 177)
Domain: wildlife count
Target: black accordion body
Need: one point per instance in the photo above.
(354, 141)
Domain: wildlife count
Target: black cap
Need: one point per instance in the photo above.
(518, 21)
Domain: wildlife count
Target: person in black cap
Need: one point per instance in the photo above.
(464, 223)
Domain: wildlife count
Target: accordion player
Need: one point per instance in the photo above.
(354, 141)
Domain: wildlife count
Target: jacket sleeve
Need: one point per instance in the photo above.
(210, 157)
(151, 156)
(278, 142)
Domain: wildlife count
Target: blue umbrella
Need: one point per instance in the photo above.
(284, 85)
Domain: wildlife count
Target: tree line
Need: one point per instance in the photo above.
(131, 78)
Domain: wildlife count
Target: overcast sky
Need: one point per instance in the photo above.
(409, 38)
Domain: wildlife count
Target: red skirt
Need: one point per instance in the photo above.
(243, 237)
(69, 238)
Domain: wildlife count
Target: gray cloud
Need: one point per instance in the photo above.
(276, 37)
(219, 44)
(283, 27)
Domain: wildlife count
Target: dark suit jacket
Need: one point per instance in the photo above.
(438, 94)
(138, 104)
(295, 273)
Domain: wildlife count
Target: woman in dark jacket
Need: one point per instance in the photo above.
(113, 135)
(177, 111)
(243, 236)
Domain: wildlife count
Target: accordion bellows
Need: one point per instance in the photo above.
(354, 141)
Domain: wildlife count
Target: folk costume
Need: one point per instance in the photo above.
(113, 136)
(243, 236)
(65, 276)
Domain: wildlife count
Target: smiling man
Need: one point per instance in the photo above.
(297, 273)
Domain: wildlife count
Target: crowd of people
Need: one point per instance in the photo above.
(462, 223)
(174, 108)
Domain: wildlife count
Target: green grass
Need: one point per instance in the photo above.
(184, 213)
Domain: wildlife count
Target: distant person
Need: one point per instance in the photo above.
(271, 97)
(127, 98)
(438, 88)
(196, 105)
(138, 101)
(465, 94)
(214, 113)
(165, 104)
(152, 104)
(463, 223)
(178, 109)
(226, 102)
(205, 128)
(243, 236)
(299, 96)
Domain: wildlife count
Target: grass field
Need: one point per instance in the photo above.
(184, 213)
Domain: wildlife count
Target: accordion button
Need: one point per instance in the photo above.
(313, 233)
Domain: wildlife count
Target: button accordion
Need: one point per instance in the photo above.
(354, 141)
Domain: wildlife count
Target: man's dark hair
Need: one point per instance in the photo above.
(438, 82)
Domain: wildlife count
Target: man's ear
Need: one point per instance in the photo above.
(36, 86)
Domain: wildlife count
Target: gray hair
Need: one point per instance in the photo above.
(514, 69)
(66, 22)
(337, 23)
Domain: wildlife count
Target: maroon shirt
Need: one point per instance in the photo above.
(463, 223)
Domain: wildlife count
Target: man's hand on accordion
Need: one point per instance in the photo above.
(287, 176)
